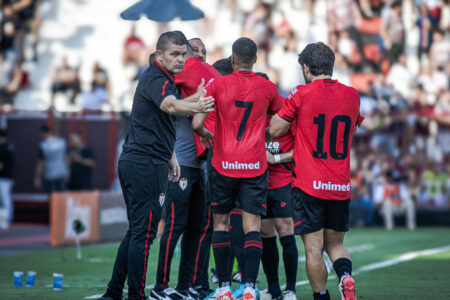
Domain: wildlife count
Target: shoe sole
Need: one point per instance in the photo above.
(348, 289)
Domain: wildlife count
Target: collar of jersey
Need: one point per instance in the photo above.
(165, 71)
(244, 73)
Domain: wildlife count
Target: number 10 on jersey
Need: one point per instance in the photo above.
(320, 121)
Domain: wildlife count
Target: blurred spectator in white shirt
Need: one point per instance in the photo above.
(400, 77)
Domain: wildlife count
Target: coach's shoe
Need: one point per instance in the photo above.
(107, 297)
(159, 295)
(224, 293)
(249, 294)
(176, 294)
(347, 288)
(289, 295)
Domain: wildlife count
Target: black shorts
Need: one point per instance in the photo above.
(279, 203)
(312, 214)
(249, 194)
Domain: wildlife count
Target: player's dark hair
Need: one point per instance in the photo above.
(319, 58)
(195, 39)
(224, 66)
(263, 75)
(245, 50)
(170, 37)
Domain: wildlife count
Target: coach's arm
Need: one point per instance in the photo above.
(278, 126)
(196, 103)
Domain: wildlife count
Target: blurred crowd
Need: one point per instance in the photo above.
(395, 53)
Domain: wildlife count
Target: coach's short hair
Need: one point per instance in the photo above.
(224, 66)
(244, 49)
(170, 37)
(318, 57)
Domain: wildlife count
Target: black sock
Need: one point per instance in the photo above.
(290, 258)
(342, 266)
(322, 295)
(237, 240)
(222, 249)
(270, 259)
(253, 251)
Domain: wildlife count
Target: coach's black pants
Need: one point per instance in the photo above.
(143, 188)
(185, 209)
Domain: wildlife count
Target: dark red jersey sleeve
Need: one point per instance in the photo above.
(290, 106)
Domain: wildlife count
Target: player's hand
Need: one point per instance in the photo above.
(174, 169)
(270, 158)
(200, 89)
(205, 104)
(207, 139)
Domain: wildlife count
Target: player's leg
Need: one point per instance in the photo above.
(336, 224)
(223, 192)
(282, 212)
(309, 214)
(192, 234)
(252, 197)
(177, 207)
(270, 257)
(145, 188)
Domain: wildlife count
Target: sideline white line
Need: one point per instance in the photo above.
(387, 263)
(370, 267)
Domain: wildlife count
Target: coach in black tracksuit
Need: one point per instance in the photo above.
(147, 152)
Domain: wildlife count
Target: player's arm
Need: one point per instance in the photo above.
(279, 158)
(278, 126)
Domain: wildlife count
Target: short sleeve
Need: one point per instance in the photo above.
(360, 120)
(158, 89)
(275, 102)
(290, 106)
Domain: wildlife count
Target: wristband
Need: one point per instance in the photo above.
(277, 158)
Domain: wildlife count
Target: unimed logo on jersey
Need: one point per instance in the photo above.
(319, 185)
(240, 166)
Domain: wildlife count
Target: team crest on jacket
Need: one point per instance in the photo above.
(162, 198)
(183, 183)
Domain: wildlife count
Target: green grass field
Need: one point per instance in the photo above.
(387, 265)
